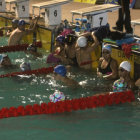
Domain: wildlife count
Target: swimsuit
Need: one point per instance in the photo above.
(107, 70)
(119, 85)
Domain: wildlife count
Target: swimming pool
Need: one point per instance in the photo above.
(114, 122)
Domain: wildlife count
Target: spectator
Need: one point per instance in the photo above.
(124, 17)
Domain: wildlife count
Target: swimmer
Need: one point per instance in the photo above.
(70, 51)
(11, 28)
(108, 67)
(83, 50)
(32, 49)
(5, 60)
(17, 34)
(25, 67)
(124, 82)
(60, 75)
(58, 55)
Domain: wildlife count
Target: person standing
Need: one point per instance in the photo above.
(124, 17)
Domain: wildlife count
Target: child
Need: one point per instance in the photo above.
(108, 67)
(18, 33)
(60, 75)
(5, 60)
(125, 82)
(83, 50)
(25, 67)
(32, 49)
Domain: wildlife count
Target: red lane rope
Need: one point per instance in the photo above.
(21, 47)
(36, 72)
(69, 105)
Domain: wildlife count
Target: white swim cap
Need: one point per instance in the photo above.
(126, 65)
(82, 41)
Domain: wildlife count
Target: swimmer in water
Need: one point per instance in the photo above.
(60, 74)
(58, 54)
(124, 82)
(5, 61)
(83, 50)
(32, 49)
(17, 34)
(108, 67)
(70, 52)
(25, 67)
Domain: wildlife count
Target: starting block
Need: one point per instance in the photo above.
(20, 7)
(96, 15)
(2, 6)
(52, 10)
(134, 23)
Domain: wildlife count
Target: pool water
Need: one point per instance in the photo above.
(109, 123)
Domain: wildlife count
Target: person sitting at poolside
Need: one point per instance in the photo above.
(5, 60)
(83, 50)
(11, 28)
(17, 34)
(32, 49)
(108, 67)
(60, 75)
(124, 82)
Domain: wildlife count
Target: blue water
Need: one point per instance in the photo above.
(121, 122)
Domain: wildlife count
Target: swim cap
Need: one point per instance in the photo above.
(21, 22)
(60, 39)
(82, 41)
(31, 47)
(2, 56)
(15, 21)
(25, 66)
(126, 65)
(70, 39)
(61, 70)
(57, 96)
(107, 47)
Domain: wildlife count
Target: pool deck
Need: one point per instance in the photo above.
(66, 14)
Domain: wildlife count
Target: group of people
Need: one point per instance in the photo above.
(16, 32)
(74, 50)
(79, 51)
